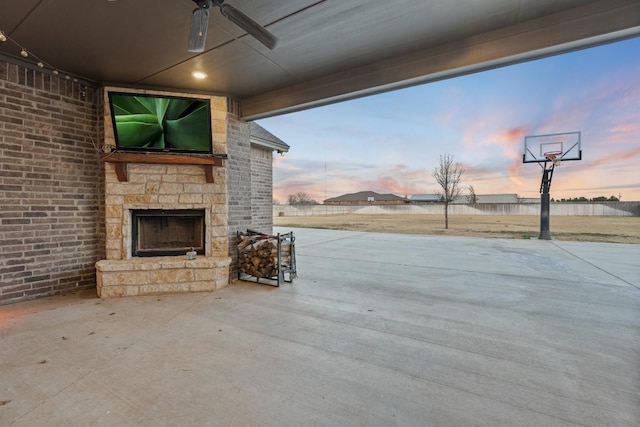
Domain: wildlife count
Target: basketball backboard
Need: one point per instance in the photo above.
(561, 146)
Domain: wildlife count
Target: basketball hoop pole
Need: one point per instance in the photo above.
(545, 203)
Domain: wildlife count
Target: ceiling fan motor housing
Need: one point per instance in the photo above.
(206, 4)
(200, 18)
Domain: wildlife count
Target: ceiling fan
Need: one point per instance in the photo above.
(200, 21)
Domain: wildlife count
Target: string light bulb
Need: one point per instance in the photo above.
(34, 58)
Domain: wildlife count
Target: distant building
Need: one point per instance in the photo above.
(464, 199)
(497, 198)
(366, 198)
(425, 198)
(530, 200)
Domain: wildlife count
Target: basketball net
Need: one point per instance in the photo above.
(554, 157)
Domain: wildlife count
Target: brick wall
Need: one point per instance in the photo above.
(238, 179)
(101, 130)
(261, 190)
(249, 183)
(49, 184)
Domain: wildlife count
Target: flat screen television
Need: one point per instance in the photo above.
(159, 123)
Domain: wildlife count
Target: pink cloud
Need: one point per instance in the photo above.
(511, 135)
(615, 157)
(623, 133)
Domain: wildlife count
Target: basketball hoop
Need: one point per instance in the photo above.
(554, 156)
(548, 151)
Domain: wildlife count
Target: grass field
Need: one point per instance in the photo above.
(576, 228)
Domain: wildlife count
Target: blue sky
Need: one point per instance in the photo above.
(390, 143)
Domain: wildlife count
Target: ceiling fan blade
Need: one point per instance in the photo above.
(198, 30)
(249, 25)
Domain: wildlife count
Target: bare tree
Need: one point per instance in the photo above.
(301, 198)
(472, 198)
(448, 174)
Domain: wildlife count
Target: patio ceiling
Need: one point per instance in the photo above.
(329, 50)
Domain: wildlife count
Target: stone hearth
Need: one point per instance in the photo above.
(156, 275)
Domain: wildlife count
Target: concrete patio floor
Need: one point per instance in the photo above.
(377, 330)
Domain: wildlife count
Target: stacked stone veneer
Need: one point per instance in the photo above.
(165, 186)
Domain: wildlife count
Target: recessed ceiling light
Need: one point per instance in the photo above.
(199, 75)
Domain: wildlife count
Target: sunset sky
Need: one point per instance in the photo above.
(390, 143)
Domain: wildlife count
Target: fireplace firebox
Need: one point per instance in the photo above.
(159, 232)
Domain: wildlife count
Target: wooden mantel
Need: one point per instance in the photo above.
(121, 160)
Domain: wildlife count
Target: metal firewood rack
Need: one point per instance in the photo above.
(268, 257)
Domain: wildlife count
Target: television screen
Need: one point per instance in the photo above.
(144, 122)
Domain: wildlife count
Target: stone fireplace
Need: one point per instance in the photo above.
(157, 207)
(162, 232)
